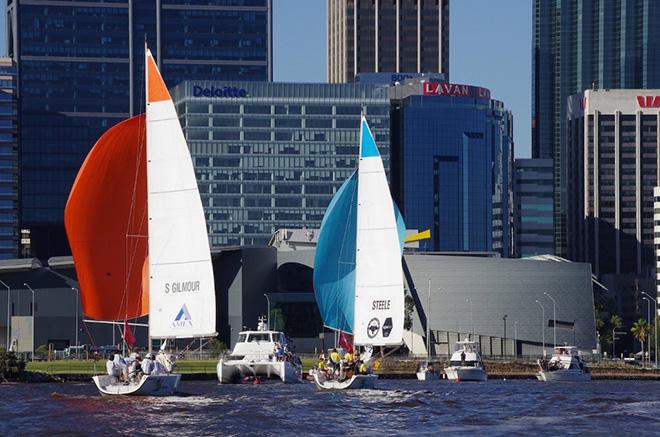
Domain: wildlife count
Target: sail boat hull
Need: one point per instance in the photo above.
(149, 385)
(355, 382)
(423, 375)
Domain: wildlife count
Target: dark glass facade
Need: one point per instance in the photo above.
(387, 35)
(81, 71)
(578, 45)
(452, 167)
(269, 155)
(8, 161)
(533, 194)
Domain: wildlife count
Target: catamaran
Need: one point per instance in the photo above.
(137, 231)
(358, 276)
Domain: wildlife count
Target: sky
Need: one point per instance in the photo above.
(489, 45)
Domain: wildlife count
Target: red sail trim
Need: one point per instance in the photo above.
(106, 223)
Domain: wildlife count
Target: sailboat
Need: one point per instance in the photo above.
(426, 372)
(358, 276)
(136, 227)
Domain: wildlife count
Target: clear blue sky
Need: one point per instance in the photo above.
(490, 45)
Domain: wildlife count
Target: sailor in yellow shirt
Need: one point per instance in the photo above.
(335, 359)
(363, 368)
(348, 357)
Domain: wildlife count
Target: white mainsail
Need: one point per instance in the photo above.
(379, 294)
(181, 284)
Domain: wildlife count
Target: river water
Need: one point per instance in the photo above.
(396, 407)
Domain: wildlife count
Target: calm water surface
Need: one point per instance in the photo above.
(397, 407)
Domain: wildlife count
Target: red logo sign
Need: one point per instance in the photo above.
(453, 89)
(648, 101)
(583, 102)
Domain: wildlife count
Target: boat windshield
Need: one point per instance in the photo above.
(464, 363)
(259, 337)
(241, 338)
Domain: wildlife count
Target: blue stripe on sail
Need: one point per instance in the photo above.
(400, 226)
(367, 144)
(334, 262)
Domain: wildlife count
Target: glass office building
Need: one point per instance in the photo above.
(533, 194)
(80, 68)
(452, 155)
(8, 161)
(387, 35)
(272, 155)
(579, 45)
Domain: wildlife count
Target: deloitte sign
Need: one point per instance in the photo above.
(227, 91)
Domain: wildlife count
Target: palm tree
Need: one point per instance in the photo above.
(640, 330)
(616, 323)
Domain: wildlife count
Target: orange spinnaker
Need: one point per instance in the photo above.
(106, 223)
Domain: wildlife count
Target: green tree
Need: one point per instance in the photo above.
(640, 330)
(217, 347)
(408, 309)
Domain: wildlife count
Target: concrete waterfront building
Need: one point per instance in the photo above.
(533, 198)
(271, 155)
(8, 160)
(656, 240)
(578, 45)
(613, 143)
(387, 35)
(470, 295)
(452, 165)
(81, 70)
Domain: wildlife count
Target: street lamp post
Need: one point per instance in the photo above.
(33, 317)
(504, 338)
(268, 318)
(515, 338)
(77, 297)
(8, 312)
(655, 326)
(554, 320)
(542, 325)
(648, 334)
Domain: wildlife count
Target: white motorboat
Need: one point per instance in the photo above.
(253, 356)
(565, 365)
(465, 363)
(148, 385)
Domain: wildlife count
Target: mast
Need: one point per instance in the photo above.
(146, 103)
(428, 328)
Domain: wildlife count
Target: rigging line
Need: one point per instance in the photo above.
(131, 252)
(132, 249)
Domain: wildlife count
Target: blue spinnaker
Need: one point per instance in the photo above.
(334, 262)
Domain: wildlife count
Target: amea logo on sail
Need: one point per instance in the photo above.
(182, 319)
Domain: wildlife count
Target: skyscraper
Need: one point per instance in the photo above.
(533, 199)
(613, 142)
(8, 161)
(80, 71)
(271, 155)
(582, 44)
(387, 36)
(452, 159)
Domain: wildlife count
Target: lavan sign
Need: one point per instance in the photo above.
(453, 89)
(226, 91)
